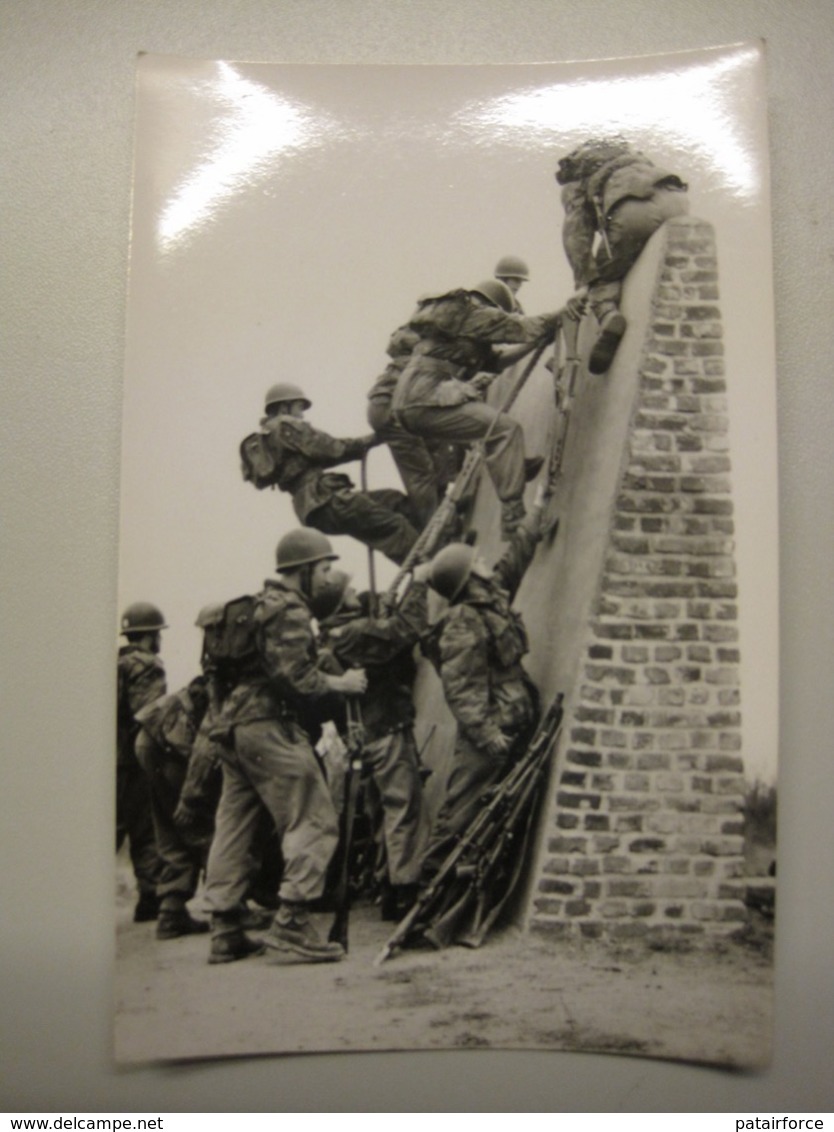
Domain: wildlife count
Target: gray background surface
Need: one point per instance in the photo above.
(65, 171)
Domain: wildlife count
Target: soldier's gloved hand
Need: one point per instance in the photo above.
(482, 381)
(351, 683)
(422, 572)
(575, 306)
(499, 747)
(185, 818)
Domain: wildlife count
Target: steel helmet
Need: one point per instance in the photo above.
(496, 293)
(450, 569)
(210, 614)
(301, 547)
(142, 617)
(331, 595)
(285, 391)
(511, 267)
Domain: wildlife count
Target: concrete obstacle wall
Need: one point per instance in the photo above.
(631, 613)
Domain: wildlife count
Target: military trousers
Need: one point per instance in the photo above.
(134, 821)
(472, 773)
(379, 519)
(468, 422)
(424, 468)
(631, 224)
(271, 767)
(180, 862)
(391, 763)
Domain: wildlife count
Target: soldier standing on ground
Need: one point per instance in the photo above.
(141, 680)
(268, 762)
(326, 500)
(167, 729)
(477, 647)
(200, 793)
(384, 648)
(437, 399)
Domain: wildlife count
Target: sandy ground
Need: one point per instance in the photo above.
(711, 1004)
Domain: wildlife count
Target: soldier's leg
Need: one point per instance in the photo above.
(180, 863)
(363, 517)
(630, 226)
(231, 862)
(283, 769)
(414, 462)
(504, 450)
(392, 761)
(466, 423)
(471, 775)
(137, 820)
(632, 223)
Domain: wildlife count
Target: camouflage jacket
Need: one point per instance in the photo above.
(287, 679)
(384, 647)
(173, 721)
(140, 676)
(303, 454)
(400, 345)
(477, 647)
(457, 335)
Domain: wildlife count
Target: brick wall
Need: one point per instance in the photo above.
(644, 831)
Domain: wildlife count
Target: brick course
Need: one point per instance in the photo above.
(649, 785)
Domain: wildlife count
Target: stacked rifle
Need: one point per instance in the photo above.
(474, 883)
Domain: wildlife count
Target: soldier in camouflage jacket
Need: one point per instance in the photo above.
(268, 762)
(140, 677)
(477, 647)
(168, 727)
(328, 501)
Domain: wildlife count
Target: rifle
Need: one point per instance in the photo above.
(354, 742)
(430, 536)
(565, 389)
(371, 561)
(481, 847)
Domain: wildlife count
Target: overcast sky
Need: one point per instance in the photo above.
(286, 218)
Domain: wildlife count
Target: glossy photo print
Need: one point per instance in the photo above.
(446, 663)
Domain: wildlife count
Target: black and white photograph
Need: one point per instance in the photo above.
(447, 672)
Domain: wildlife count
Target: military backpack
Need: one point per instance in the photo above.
(258, 463)
(232, 639)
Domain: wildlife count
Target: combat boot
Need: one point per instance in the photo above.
(397, 900)
(532, 467)
(292, 933)
(512, 512)
(612, 328)
(174, 922)
(229, 942)
(255, 919)
(147, 908)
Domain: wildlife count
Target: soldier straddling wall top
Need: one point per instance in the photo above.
(612, 192)
(436, 397)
